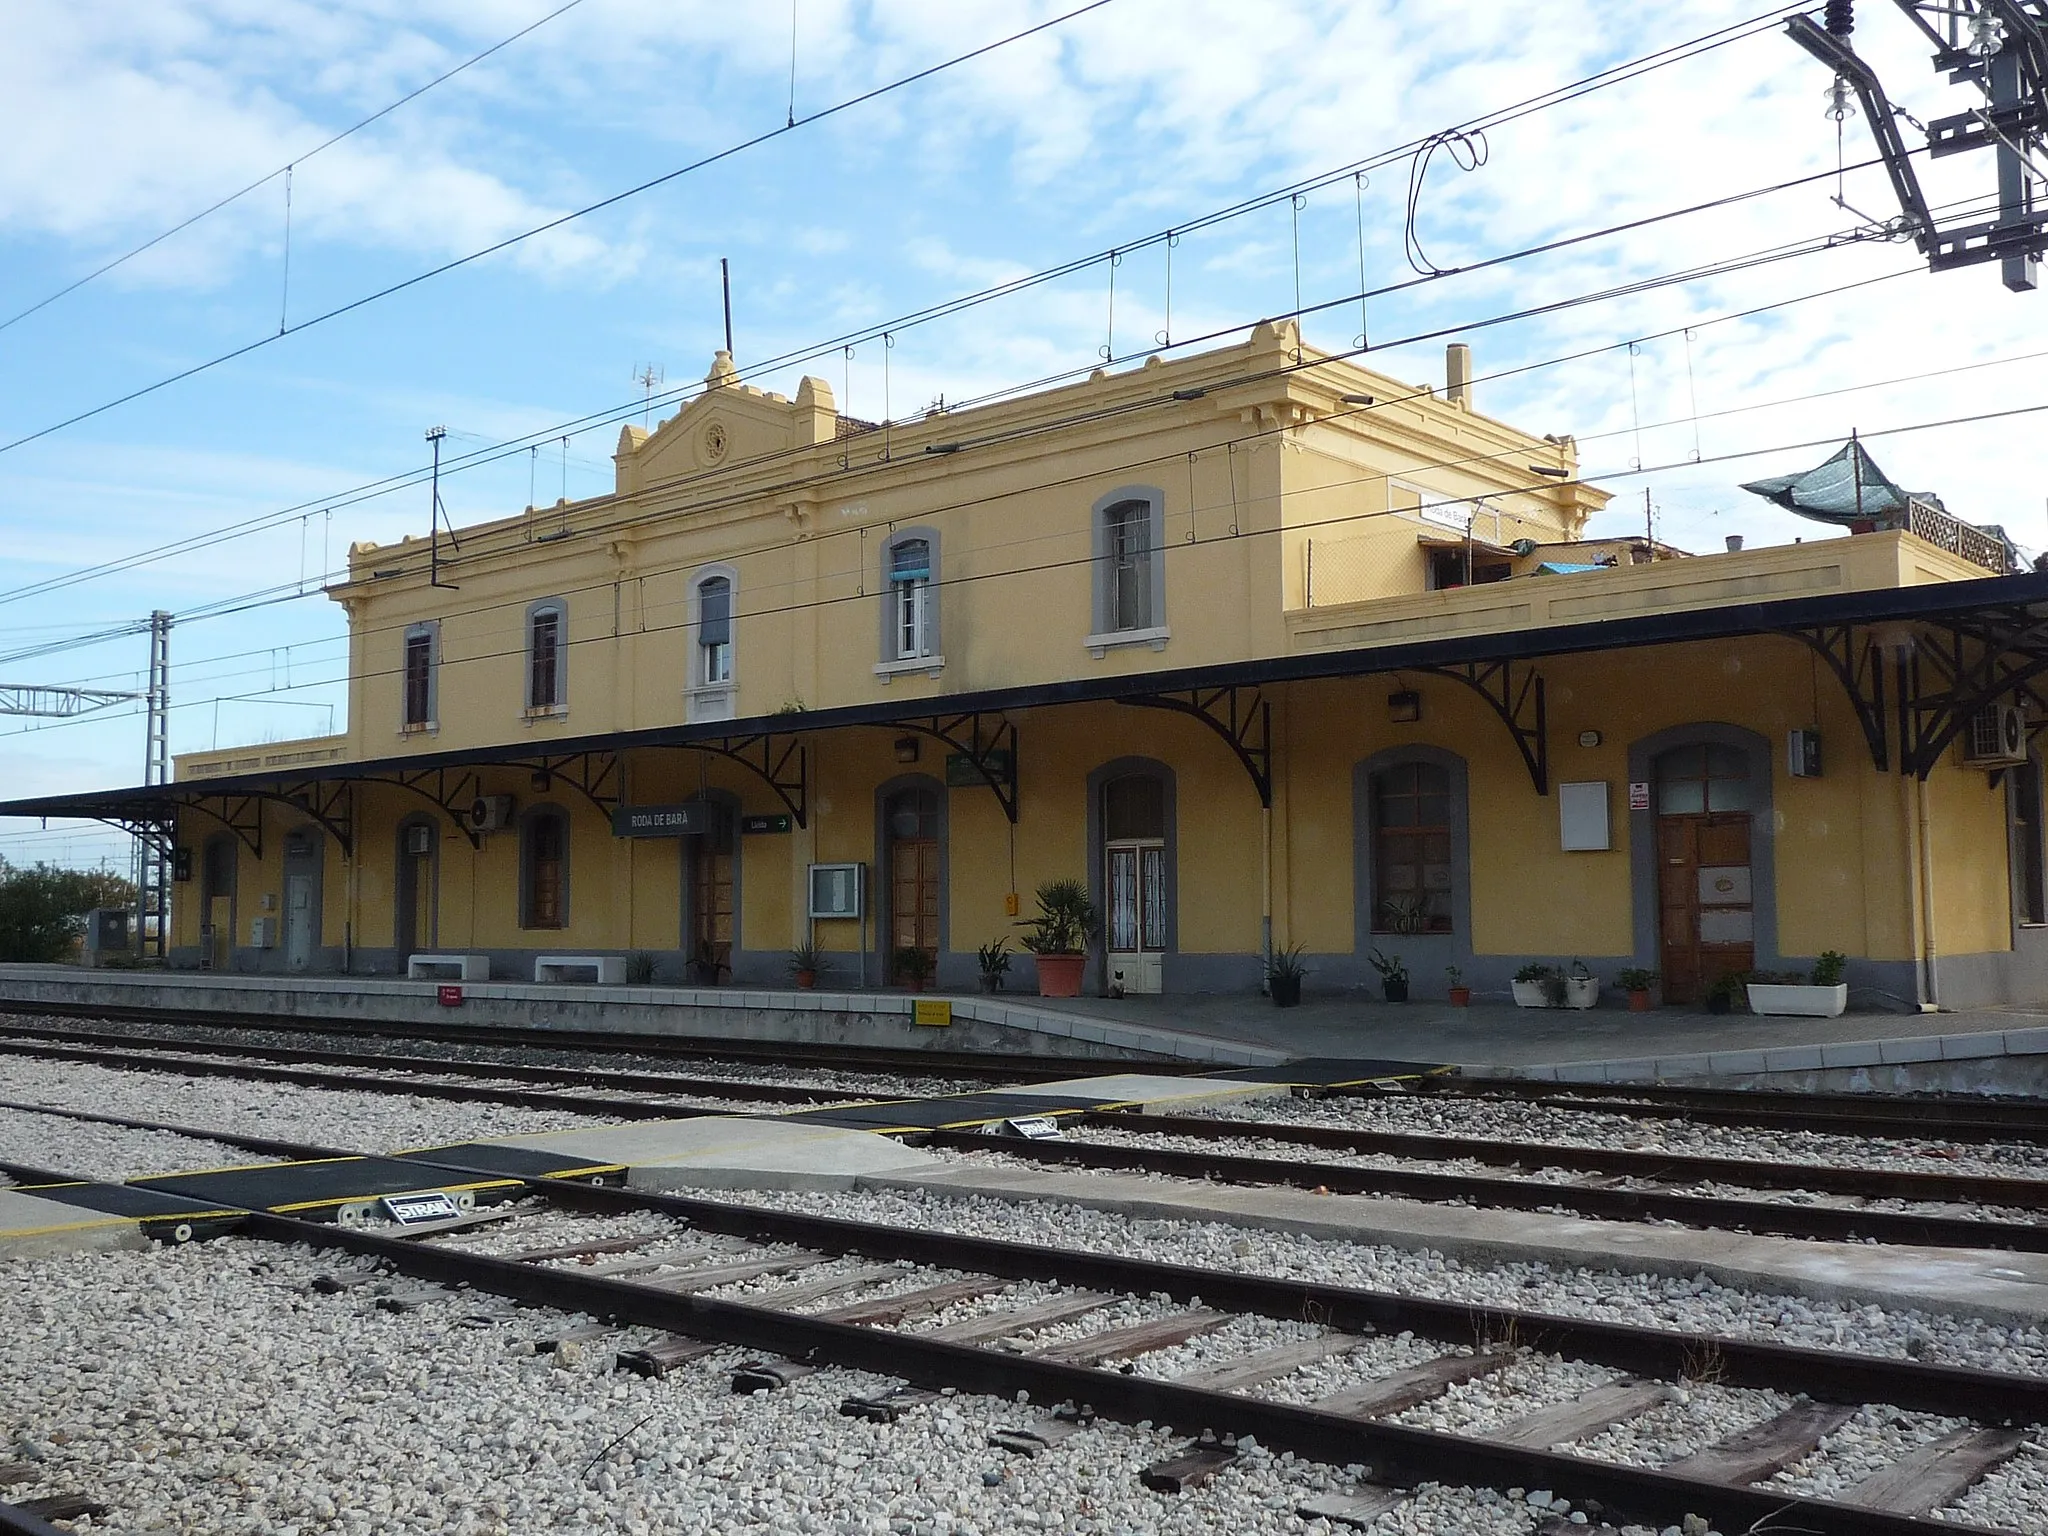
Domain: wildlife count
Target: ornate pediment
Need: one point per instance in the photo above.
(726, 427)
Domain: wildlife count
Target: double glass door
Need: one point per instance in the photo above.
(1135, 880)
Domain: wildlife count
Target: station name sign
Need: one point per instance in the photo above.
(694, 819)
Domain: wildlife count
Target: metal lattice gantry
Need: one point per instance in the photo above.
(2001, 48)
(55, 703)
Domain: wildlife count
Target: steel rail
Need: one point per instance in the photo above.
(1903, 1115)
(1826, 1374)
(588, 1077)
(16, 1521)
(852, 1058)
(314, 1077)
(1776, 1218)
(1826, 1178)
(1395, 1454)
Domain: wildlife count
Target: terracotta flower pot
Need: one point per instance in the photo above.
(1060, 975)
(1639, 1001)
(1461, 997)
(807, 979)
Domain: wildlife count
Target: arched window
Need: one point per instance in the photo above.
(910, 595)
(1127, 557)
(544, 869)
(420, 702)
(1412, 863)
(712, 667)
(714, 631)
(547, 657)
(1130, 581)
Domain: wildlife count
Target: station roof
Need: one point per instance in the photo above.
(1961, 606)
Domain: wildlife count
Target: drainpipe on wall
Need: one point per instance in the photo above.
(1266, 886)
(1930, 988)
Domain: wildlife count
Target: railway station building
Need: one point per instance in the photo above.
(1270, 649)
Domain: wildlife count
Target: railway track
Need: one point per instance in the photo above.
(1627, 1185)
(1852, 1114)
(935, 1311)
(779, 1054)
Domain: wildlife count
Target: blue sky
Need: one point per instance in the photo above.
(1138, 116)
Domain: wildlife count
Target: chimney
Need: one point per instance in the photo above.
(1458, 374)
(1734, 543)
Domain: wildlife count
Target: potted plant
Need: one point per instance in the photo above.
(1461, 995)
(1822, 994)
(639, 968)
(709, 963)
(1533, 985)
(1581, 987)
(1724, 989)
(1636, 982)
(914, 965)
(1059, 936)
(1283, 976)
(994, 960)
(805, 961)
(1405, 914)
(1393, 975)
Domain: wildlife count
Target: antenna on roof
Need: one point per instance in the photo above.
(650, 377)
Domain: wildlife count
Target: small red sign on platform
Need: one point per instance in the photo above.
(451, 997)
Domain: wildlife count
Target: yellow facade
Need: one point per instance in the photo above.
(1292, 509)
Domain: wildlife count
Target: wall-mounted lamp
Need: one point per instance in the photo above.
(540, 781)
(906, 749)
(1550, 471)
(1358, 399)
(1405, 707)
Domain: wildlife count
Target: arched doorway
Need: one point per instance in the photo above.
(1412, 864)
(913, 871)
(415, 900)
(217, 902)
(1706, 796)
(1131, 854)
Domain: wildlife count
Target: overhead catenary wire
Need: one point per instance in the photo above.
(978, 578)
(549, 225)
(1614, 74)
(415, 477)
(285, 170)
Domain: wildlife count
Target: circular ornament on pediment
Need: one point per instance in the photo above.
(712, 442)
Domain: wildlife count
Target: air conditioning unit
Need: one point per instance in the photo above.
(490, 813)
(419, 839)
(1996, 736)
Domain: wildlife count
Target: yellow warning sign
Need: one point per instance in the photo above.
(936, 1013)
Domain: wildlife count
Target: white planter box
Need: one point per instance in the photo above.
(1805, 1002)
(1583, 992)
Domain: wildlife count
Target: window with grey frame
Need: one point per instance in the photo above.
(546, 658)
(544, 859)
(1127, 566)
(714, 631)
(418, 677)
(913, 616)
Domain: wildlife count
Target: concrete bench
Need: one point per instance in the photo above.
(607, 970)
(448, 968)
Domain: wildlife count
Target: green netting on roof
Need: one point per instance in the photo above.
(1848, 488)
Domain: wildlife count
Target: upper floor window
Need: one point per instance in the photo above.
(714, 631)
(1130, 586)
(910, 593)
(1129, 554)
(547, 658)
(710, 668)
(417, 678)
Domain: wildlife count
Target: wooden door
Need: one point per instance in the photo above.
(914, 894)
(1706, 901)
(711, 899)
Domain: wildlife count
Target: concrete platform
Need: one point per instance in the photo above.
(718, 1152)
(1002, 1024)
(2009, 1288)
(1156, 1095)
(32, 1227)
